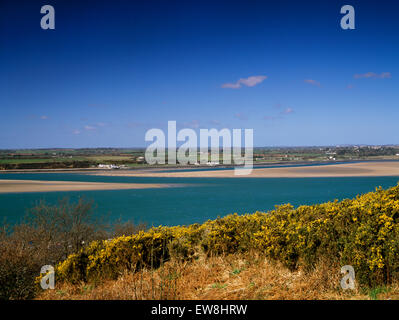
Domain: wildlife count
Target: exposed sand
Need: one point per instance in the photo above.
(363, 169)
(7, 186)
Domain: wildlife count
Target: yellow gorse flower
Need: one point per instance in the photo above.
(362, 232)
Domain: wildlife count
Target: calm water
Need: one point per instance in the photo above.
(200, 199)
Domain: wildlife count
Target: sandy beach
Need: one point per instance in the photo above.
(362, 169)
(7, 186)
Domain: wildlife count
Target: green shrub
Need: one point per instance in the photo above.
(362, 232)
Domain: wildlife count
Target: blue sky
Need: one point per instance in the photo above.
(113, 69)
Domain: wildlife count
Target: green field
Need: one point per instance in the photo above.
(133, 157)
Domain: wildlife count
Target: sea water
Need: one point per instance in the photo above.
(189, 200)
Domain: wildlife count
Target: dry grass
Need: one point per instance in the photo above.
(233, 277)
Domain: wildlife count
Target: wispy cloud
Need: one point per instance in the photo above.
(37, 117)
(312, 82)
(89, 128)
(287, 111)
(284, 111)
(194, 124)
(249, 82)
(382, 75)
(143, 125)
(241, 116)
(215, 122)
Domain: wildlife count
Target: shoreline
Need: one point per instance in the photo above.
(355, 169)
(22, 186)
(370, 168)
(159, 168)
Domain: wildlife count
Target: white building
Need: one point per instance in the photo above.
(108, 166)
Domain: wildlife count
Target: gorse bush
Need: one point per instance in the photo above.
(109, 258)
(362, 232)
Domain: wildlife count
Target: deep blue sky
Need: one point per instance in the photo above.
(113, 69)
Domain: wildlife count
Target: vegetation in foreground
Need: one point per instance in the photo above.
(233, 277)
(47, 235)
(308, 242)
(287, 253)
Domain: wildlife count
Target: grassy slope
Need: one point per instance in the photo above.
(234, 277)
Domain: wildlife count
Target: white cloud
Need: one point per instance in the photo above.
(194, 124)
(249, 82)
(382, 75)
(287, 111)
(215, 122)
(241, 116)
(284, 112)
(89, 128)
(312, 82)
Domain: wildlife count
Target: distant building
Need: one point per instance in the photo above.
(108, 166)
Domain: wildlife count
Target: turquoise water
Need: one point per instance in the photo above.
(199, 200)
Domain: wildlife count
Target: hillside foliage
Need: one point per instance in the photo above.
(362, 232)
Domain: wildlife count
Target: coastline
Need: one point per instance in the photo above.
(355, 169)
(157, 167)
(19, 186)
(358, 168)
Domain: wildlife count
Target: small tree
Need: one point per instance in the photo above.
(68, 226)
(48, 234)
